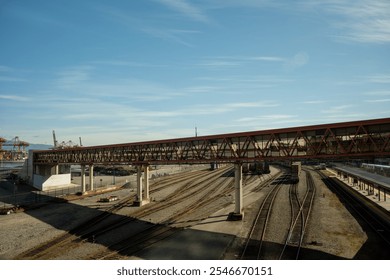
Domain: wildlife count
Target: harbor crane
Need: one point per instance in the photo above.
(63, 144)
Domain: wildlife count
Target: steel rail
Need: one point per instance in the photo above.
(301, 217)
(253, 247)
(92, 228)
(163, 230)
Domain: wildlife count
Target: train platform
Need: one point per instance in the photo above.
(378, 191)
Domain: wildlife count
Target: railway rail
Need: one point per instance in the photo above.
(158, 232)
(165, 228)
(254, 243)
(100, 225)
(255, 246)
(300, 213)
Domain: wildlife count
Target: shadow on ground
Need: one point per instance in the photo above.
(122, 233)
(374, 248)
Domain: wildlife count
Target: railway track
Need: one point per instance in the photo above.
(254, 242)
(165, 182)
(200, 188)
(82, 231)
(188, 190)
(300, 212)
(98, 226)
(158, 232)
(300, 207)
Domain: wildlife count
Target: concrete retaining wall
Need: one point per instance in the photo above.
(52, 182)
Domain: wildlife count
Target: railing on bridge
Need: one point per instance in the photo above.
(357, 139)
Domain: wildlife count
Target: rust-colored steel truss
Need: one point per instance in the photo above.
(360, 139)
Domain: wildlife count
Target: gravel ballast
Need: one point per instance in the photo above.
(332, 232)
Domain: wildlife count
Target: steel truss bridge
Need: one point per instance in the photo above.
(358, 139)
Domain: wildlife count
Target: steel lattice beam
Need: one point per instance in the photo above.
(360, 139)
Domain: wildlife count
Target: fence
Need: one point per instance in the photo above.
(28, 198)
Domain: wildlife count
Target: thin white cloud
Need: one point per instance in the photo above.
(127, 63)
(380, 79)
(217, 63)
(251, 4)
(230, 61)
(289, 63)
(14, 97)
(378, 100)
(73, 76)
(342, 113)
(11, 79)
(337, 109)
(378, 93)
(187, 9)
(366, 21)
(167, 34)
(272, 117)
(5, 68)
(152, 25)
(268, 58)
(310, 102)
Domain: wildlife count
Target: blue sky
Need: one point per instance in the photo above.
(126, 71)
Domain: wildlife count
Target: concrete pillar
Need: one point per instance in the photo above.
(56, 169)
(146, 182)
(141, 200)
(91, 177)
(83, 178)
(238, 213)
(139, 184)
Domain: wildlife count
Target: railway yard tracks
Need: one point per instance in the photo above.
(300, 213)
(181, 207)
(183, 200)
(256, 246)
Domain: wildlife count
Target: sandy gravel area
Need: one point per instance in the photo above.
(333, 233)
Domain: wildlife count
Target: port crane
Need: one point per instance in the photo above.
(17, 151)
(63, 144)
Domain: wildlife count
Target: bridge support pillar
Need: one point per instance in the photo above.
(146, 182)
(83, 189)
(140, 200)
(238, 214)
(56, 169)
(91, 177)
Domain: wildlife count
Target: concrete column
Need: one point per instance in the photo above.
(238, 213)
(91, 177)
(146, 182)
(56, 169)
(83, 178)
(139, 184)
(139, 198)
(142, 199)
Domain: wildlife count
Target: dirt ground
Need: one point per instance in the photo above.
(333, 233)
